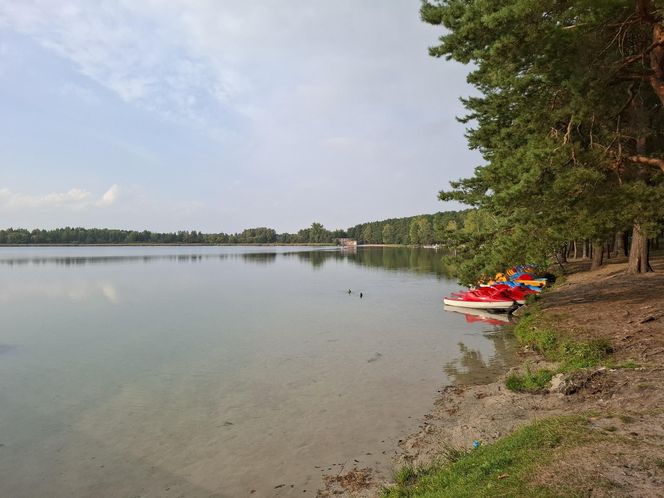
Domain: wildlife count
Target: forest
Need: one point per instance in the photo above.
(568, 118)
(415, 230)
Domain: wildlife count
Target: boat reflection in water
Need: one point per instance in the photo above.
(477, 315)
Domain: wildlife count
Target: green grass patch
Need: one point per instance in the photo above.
(626, 365)
(531, 331)
(530, 382)
(538, 332)
(575, 355)
(504, 468)
(408, 475)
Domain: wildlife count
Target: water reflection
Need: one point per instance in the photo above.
(480, 316)
(418, 260)
(70, 291)
(318, 258)
(7, 349)
(90, 260)
(261, 258)
(473, 367)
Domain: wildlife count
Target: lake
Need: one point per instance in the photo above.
(220, 371)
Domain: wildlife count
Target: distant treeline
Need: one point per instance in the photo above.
(426, 229)
(417, 230)
(69, 235)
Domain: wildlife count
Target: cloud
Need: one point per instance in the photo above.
(110, 196)
(295, 104)
(144, 209)
(74, 199)
(134, 51)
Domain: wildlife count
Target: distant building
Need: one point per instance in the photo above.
(347, 242)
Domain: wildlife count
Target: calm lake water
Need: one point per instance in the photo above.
(220, 371)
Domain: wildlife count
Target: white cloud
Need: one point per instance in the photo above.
(135, 51)
(291, 90)
(74, 199)
(110, 196)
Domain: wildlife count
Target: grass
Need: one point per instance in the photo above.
(530, 382)
(626, 365)
(538, 332)
(408, 475)
(505, 468)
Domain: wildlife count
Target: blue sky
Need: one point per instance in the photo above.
(221, 115)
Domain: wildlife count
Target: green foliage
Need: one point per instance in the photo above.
(388, 234)
(261, 235)
(425, 230)
(367, 234)
(529, 382)
(430, 229)
(421, 229)
(560, 113)
(504, 468)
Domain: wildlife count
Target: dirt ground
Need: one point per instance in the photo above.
(625, 403)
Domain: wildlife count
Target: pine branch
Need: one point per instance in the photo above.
(649, 161)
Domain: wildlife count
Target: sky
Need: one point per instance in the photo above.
(220, 115)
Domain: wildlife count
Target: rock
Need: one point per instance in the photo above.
(576, 381)
(519, 311)
(557, 383)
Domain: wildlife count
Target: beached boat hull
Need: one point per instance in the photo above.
(480, 305)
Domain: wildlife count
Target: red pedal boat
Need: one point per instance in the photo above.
(485, 298)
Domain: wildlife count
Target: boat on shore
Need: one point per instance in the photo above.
(480, 302)
(503, 292)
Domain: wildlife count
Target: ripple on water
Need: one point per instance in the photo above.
(6, 349)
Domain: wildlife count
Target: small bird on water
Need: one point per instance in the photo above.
(360, 295)
(348, 291)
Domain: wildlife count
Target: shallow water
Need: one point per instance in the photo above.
(219, 371)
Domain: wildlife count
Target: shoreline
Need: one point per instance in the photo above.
(176, 244)
(618, 401)
(205, 244)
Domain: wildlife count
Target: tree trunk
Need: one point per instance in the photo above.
(657, 61)
(638, 252)
(585, 250)
(576, 250)
(620, 245)
(562, 254)
(598, 254)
